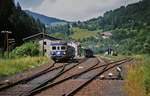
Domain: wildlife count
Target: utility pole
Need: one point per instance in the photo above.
(7, 41)
(43, 52)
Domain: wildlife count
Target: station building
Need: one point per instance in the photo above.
(46, 40)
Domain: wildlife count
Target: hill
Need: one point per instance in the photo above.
(80, 34)
(132, 15)
(45, 19)
(129, 25)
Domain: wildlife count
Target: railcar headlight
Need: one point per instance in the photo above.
(52, 53)
(58, 53)
(64, 53)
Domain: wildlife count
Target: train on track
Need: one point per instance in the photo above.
(61, 51)
(88, 53)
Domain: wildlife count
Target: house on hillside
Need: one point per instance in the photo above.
(106, 35)
(44, 41)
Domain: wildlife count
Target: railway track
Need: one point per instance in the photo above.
(5, 86)
(51, 68)
(100, 69)
(16, 89)
(106, 68)
(37, 80)
(54, 76)
(64, 75)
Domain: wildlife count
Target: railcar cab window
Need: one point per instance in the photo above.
(54, 48)
(58, 48)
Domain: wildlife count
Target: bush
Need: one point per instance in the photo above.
(27, 49)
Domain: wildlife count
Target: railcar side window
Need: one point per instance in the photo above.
(45, 43)
(54, 48)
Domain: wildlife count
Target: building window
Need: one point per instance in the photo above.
(45, 50)
(45, 43)
(54, 48)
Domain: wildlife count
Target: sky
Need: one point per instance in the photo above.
(73, 10)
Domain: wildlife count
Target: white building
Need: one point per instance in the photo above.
(44, 41)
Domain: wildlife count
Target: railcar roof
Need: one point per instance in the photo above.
(54, 44)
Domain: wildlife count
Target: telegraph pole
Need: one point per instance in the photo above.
(43, 42)
(7, 41)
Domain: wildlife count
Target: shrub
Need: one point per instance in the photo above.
(27, 49)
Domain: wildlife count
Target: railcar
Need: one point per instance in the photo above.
(88, 53)
(62, 52)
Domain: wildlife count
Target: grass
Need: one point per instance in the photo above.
(80, 34)
(13, 66)
(58, 35)
(137, 82)
(113, 58)
(138, 79)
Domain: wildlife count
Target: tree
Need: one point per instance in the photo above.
(12, 18)
(18, 6)
(6, 9)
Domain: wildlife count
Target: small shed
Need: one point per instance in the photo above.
(44, 40)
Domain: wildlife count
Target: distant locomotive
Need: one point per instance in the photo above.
(62, 52)
(88, 53)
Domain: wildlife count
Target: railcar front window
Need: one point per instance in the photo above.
(63, 48)
(53, 48)
(58, 48)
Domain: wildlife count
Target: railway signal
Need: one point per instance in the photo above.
(119, 70)
(8, 41)
(102, 77)
(110, 75)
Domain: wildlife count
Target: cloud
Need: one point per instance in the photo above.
(73, 9)
(30, 3)
(53, 1)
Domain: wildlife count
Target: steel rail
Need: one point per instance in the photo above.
(56, 76)
(26, 79)
(45, 86)
(55, 83)
(72, 92)
(58, 82)
(96, 67)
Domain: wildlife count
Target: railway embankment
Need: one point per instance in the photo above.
(10, 67)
